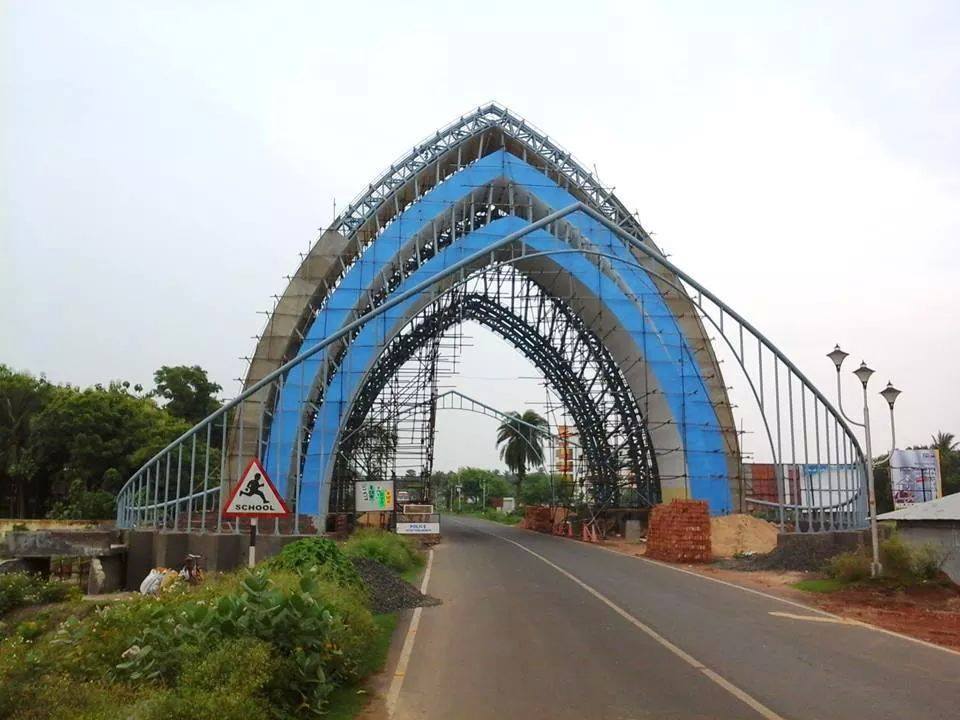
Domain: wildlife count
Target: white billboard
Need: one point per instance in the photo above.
(914, 477)
(374, 495)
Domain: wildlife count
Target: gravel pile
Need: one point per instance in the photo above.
(388, 591)
(798, 557)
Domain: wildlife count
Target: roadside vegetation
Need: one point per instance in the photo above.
(397, 552)
(293, 638)
(65, 451)
(904, 566)
(494, 515)
(22, 589)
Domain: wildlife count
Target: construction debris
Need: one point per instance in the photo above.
(733, 535)
(680, 532)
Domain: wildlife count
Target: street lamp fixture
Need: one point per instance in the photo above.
(863, 374)
(838, 356)
(890, 394)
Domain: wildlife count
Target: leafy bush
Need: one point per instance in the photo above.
(852, 566)
(394, 551)
(896, 558)
(254, 645)
(902, 562)
(83, 504)
(909, 563)
(321, 555)
(928, 561)
(19, 589)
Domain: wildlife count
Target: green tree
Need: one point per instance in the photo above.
(478, 483)
(187, 392)
(520, 439)
(947, 444)
(99, 435)
(944, 442)
(22, 398)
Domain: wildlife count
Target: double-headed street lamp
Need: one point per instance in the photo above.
(889, 394)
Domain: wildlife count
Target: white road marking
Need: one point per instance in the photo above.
(761, 593)
(715, 677)
(813, 618)
(393, 693)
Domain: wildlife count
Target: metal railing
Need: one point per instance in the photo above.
(180, 487)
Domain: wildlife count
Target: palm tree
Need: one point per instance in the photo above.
(944, 442)
(520, 439)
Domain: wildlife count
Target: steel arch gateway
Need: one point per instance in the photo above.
(487, 196)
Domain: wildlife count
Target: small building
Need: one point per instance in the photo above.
(936, 523)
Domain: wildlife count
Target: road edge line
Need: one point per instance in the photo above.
(396, 683)
(794, 603)
(761, 593)
(713, 676)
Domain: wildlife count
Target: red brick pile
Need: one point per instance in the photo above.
(680, 532)
(538, 517)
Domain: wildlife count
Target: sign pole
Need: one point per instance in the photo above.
(252, 557)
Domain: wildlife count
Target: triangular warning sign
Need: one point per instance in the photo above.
(255, 495)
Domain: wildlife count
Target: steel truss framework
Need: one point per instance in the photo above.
(615, 444)
(628, 351)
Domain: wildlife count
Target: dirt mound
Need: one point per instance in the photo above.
(388, 591)
(732, 535)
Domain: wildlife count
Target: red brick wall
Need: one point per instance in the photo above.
(680, 532)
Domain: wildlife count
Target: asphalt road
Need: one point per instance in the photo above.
(576, 631)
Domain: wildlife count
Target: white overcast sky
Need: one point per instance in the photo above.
(165, 162)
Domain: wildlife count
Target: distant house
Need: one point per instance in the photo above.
(937, 523)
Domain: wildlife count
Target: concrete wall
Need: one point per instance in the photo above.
(942, 534)
(8, 524)
(148, 549)
(70, 543)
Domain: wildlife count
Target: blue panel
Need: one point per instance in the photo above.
(668, 355)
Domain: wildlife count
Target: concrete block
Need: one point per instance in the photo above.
(220, 553)
(106, 575)
(633, 530)
(170, 549)
(139, 557)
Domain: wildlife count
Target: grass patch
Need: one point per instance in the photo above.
(20, 589)
(412, 576)
(397, 552)
(820, 585)
(346, 702)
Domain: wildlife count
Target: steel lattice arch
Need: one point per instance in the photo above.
(489, 221)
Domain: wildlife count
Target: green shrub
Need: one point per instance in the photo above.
(229, 683)
(852, 566)
(902, 562)
(20, 589)
(909, 563)
(896, 558)
(321, 555)
(319, 636)
(928, 561)
(250, 645)
(394, 551)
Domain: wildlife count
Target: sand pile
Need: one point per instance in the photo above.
(732, 535)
